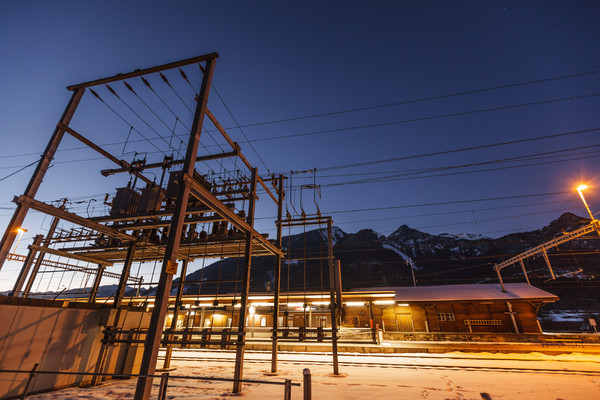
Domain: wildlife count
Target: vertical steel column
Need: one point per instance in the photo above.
(332, 304)
(38, 262)
(241, 340)
(277, 277)
(338, 284)
(372, 322)
(26, 266)
(524, 272)
(37, 177)
(124, 275)
(500, 278)
(512, 314)
(548, 263)
(169, 351)
(169, 267)
(96, 285)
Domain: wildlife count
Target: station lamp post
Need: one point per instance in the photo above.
(581, 188)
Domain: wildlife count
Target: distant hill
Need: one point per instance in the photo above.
(372, 259)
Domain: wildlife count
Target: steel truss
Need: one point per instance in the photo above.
(593, 226)
(132, 237)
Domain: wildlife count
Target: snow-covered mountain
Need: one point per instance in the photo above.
(369, 258)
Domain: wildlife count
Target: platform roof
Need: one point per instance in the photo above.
(477, 292)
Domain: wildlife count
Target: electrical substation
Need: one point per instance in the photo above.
(185, 248)
(179, 201)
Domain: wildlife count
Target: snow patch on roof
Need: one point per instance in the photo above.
(481, 292)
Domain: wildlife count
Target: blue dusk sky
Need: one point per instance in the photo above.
(376, 95)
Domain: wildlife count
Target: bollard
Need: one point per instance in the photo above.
(287, 390)
(307, 384)
(162, 389)
(31, 375)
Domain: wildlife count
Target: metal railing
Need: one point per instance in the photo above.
(164, 380)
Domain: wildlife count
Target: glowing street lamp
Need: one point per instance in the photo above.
(580, 188)
(20, 231)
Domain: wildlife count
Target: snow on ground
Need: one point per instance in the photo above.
(450, 376)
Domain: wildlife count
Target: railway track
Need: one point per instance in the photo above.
(408, 365)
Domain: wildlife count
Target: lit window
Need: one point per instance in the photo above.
(446, 317)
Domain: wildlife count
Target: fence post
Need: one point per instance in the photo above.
(307, 384)
(31, 375)
(162, 389)
(287, 390)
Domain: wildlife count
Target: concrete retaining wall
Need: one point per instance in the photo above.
(59, 336)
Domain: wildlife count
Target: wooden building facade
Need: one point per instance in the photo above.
(481, 308)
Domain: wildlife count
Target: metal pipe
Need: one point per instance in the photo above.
(306, 384)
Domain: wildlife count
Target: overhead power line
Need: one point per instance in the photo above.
(446, 203)
(437, 153)
(418, 100)
(427, 118)
(410, 175)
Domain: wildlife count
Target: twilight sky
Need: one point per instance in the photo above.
(379, 61)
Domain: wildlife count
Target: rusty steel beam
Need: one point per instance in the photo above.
(36, 179)
(108, 172)
(238, 373)
(146, 71)
(159, 224)
(40, 258)
(275, 338)
(234, 145)
(169, 266)
(65, 254)
(124, 276)
(37, 240)
(151, 214)
(105, 153)
(178, 304)
(332, 303)
(96, 284)
(74, 218)
(198, 191)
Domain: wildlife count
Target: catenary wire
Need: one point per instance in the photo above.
(427, 118)
(439, 97)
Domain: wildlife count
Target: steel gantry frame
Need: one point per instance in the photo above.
(132, 247)
(335, 287)
(593, 226)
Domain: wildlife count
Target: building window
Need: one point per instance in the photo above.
(446, 317)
